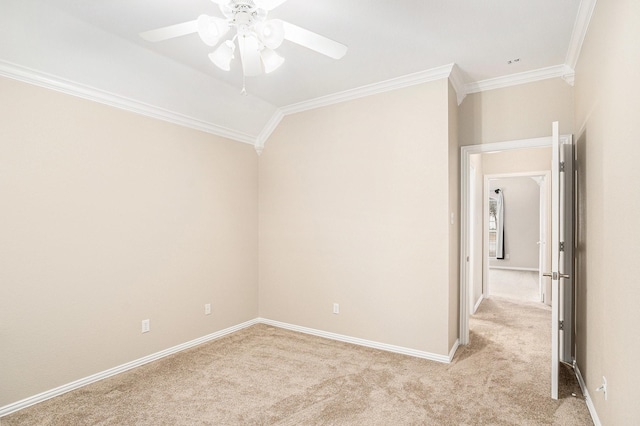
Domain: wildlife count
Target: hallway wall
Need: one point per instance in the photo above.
(607, 111)
(517, 112)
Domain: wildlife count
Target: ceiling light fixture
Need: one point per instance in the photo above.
(211, 29)
(223, 55)
(256, 37)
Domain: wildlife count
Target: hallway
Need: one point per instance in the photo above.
(514, 284)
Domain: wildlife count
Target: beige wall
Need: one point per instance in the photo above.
(109, 218)
(517, 112)
(607, 114)
(115, 218)
(517, 161)
(521, 222)
(354, 209)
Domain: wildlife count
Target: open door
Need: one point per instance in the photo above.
(562, 240)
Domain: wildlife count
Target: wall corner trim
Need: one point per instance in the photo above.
(477, 305)
(570, 78)
(453, 350)
(457, 81)
(587, 397)
(268, 129)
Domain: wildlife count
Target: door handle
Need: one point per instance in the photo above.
(555, 275)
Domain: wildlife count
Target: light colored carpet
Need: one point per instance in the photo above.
(268, 376)
(513, 284)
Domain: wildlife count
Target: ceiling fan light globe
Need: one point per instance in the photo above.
(222, 56)
(270, 60)
(226, 10)
(272, 33)
(211, 29)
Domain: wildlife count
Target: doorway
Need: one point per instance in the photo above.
(516, 270)
(469, 285)
(561, 240)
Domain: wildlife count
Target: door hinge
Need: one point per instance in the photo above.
(562, 167)
(560, 325)
(561, 248)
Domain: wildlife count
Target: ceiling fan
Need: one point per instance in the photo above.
(257, 36)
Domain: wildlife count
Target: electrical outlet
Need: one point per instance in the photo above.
(146, 327)
(207, 309)
(336, 308)
(603, 387)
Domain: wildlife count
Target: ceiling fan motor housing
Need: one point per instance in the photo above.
(244, 14)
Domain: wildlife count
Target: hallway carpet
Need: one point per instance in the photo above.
(268, 376)
(513, 284)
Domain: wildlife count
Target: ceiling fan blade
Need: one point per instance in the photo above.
(250, 54)
(268, 4)
(313, 41)
(171, 31)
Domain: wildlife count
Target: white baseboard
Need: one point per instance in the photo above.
(362, 342)
(453, 350)
(11, 408)
(477, 305)
(8, 409)
(587, 397)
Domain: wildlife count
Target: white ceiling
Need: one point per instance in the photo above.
(94, 46)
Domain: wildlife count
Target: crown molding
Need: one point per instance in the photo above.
(48, 81)
(562, 71)
(267, 130)
(457, 81)
(450, 71)
(371, 89)
(580, 27)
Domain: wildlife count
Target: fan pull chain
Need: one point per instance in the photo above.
(243, 92)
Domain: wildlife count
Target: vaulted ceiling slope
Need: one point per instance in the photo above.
(93, 49)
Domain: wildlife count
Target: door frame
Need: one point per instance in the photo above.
(465, 238)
